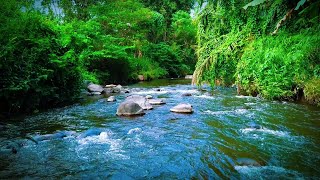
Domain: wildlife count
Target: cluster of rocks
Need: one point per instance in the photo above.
(96, 89)
(136, 105)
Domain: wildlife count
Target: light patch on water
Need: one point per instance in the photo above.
(134, 131)
(205, 97)
(102, 138)
(263, 130)
(150, 92)
(192, 91)
(250, 104)
(117, 156)
(245, 97)
(266, 172)
(237, 111)
(217, 112)
(241, 111)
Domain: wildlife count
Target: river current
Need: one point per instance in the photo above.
(281, 137)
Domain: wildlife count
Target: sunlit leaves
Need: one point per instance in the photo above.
(254, 3)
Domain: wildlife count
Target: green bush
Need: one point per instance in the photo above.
(37, 71)
(274, 66)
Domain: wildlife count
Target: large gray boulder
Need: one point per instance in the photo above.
(182, 108)
(94, 88)
(129, 108)
(142, 101)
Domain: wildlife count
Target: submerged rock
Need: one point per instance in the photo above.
(247, 162)
(156, 101)
(182, 108)
(129, 108)
(253, 125)
(141, 101)
(90, 132)
(57, 135)
(186, 94)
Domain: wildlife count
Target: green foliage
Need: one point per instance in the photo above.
(275, 66)
(253, 3)
(47, 52)
(235, 45)
(34, 65)
(146, 67)
(168, 59)
(312, 91)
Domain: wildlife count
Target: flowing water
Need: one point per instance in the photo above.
(224, 129)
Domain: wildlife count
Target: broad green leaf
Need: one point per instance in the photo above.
(254, 3)
(300, 3)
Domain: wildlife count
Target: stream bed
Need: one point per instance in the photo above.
(219, 140)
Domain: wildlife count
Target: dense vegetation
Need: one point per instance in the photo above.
(48, 47)
(270, 48)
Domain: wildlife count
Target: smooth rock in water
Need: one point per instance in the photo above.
(129, 108)
(90, 132)
(94, 88)
(110, 86)
(188, 77)
(95, 93)
(148, 96)
(156, 101)
(247, 162)
(107, 90)
(141, 101)
(186, 94)
(57, 135)
(111, 99)
(182, 108)
(117, 89)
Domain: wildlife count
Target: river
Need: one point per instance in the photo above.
(282, 137)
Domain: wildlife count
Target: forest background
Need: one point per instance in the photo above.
(50, 48)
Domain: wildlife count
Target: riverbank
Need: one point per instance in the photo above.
(223, 135)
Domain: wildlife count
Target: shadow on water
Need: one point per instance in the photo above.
(227, 136)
